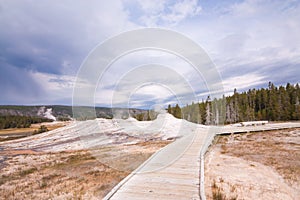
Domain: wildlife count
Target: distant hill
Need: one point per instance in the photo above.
(64, 112)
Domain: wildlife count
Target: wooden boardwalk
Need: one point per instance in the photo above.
(259, 128)
(160, 178)
(154, 180)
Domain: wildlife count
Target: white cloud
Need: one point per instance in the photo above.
(152, 6)
(55, 87)
(151, 75)
(267, 25)
(251, 36)
(166, 12)
(182, 10)
(243, 82)
(240, 82)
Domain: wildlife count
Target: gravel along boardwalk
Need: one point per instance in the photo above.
(162, 176)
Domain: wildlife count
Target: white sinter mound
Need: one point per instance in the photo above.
(100, 132)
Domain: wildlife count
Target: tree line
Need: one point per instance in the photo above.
(271, 103)
(11, 121)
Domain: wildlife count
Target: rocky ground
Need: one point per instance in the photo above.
(263, 165)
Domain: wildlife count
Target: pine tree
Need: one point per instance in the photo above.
(169, 109)
(297, 109)
(177, 112)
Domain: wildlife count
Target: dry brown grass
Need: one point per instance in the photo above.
(16, 130)
(219, 194)
(69, 175)
(16, 133)
(32, 128)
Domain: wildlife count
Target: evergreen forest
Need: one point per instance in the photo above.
(271, 103)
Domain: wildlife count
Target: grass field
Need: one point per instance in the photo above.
(15, 133)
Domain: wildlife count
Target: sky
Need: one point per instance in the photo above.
(44, 44)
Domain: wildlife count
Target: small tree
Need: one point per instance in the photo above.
(169, 109)
(42, 129)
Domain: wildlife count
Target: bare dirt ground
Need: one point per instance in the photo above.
(80, 174)
(263, 165)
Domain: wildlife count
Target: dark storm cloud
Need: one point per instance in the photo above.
(17, 85)
(50, 37)
(35, 40)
